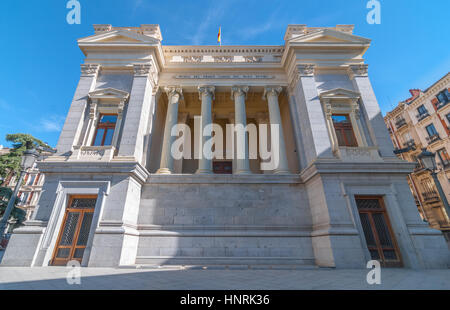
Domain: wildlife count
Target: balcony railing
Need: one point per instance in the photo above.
(433, 138)
(444, 224)
(440, 105)
(410, 143)
(422, 116)
(431, 196)
(400, 123)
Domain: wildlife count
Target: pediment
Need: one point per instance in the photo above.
(118, 36)
(339, 93)
(109, 93)
(329, 36)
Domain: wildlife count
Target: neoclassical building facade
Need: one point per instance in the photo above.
(115, 194)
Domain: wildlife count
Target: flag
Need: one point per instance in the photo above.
(219, 38)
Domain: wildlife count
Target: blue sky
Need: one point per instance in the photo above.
(40, 57)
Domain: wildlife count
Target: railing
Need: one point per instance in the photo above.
(444, 224)
(440, 105)
(433, 138)
(422, 116)
(400, 123)
(431, 196)
(410, 143)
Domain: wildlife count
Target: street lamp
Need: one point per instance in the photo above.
(428, 161)
(28, 159)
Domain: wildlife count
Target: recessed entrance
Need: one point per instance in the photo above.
(380, 240)
(75, 228)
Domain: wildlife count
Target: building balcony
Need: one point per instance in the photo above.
(444, 224)
(422, 116)
(440, 105)
(431, 196)
(433, 138)
(410, 143)
(400, 123)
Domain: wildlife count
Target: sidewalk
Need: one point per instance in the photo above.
(198, 279)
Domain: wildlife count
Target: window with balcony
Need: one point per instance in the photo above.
(444, 157)
(105, 130)
(344, 130)
(422, 113)
(432, 133)
(407, 139)
(443, 97)
(429, 193)
(400, 122)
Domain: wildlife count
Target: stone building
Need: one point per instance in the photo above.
(115, 194)
(423, 121)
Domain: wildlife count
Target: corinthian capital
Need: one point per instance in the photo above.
(306, 69)
(174, 93)
(272, 91)
(89, 69)
(240, 90)
(142, 69)
(357, 70)
(206, 89)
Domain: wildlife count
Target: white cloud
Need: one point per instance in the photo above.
(52, 123)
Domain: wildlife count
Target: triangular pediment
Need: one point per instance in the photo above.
(339, 93)
(108, 93)
(118, 37)
(329, 36)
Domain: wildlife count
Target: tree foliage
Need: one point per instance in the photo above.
(10, 162)
(17, 213)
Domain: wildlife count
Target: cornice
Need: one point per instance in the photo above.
(431, 91)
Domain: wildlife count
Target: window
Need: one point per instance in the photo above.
(344, 130)
(431, 130)
(443, 156)
(422, 110)
(105, 129)
(378, 233)
(443, 96)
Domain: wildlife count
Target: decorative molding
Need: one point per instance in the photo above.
(305, 69)
(207, 89)
(90, 69)
(225, 77)
(100, 28)
(240, 90)
(253, 59)
(223, 58)
(142, 69)
(357, 70)
(272, 90)
(172, 91)
(192, 59)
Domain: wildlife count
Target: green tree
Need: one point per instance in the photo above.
(18, 214)
(10, 162)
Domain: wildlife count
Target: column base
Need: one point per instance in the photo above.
(163, 171)
(243, 172)
(204, 171)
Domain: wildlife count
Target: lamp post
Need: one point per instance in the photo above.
(28, 159)
(428, 161)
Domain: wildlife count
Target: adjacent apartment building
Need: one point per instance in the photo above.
(331, 192)
(423, 121)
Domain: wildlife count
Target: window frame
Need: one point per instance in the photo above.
(106, 126)
(343, 130)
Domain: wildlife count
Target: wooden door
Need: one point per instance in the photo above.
(74, 233)
(377, 229)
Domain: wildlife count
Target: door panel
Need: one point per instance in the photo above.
(378, 233)
(74, 234)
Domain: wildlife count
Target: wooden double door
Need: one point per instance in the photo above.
(74, 233)
(378, 232)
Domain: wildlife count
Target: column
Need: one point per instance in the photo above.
(206, 94)
(174, 94)
(178, 163)
(138, 113)
(73, 125)
(239, 94)
(377, 129)
(310, 114)
(271, 93)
